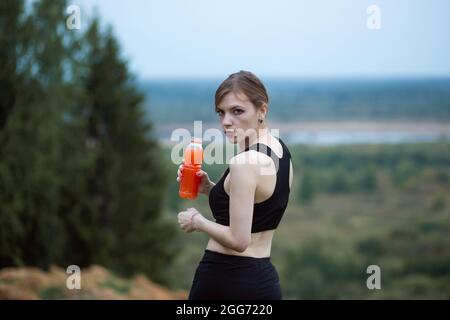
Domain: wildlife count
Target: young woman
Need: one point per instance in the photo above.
(247, 203)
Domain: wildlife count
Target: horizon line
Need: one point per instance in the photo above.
(303, 78)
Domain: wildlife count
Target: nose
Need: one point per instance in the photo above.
(226, 120)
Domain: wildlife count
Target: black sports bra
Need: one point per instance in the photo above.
(267, 214)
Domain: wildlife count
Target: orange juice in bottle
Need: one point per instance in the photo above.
(193, 158)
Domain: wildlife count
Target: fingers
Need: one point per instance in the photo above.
(180, 172)
(184, 220)
(185, 226)
(201, 173)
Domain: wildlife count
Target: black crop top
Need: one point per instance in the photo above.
(267, 214)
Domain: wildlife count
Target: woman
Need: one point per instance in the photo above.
(247, 203)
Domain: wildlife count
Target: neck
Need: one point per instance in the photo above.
(262, 135)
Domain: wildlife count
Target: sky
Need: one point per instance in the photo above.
(278, 38)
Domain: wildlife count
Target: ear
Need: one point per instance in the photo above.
(263, 109)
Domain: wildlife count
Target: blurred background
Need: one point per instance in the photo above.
(360, 91)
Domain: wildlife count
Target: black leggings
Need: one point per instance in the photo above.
(222, 276)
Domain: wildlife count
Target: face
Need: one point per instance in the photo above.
(239, 117)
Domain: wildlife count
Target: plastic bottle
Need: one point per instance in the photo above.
(193, 158)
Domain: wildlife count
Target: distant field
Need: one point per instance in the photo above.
(293, 100)
(351, 207)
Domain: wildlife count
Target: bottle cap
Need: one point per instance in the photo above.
(194, 152)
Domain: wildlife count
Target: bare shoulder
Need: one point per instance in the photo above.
(247, 167)
(250, 160)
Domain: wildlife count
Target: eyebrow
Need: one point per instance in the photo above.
(232, 107)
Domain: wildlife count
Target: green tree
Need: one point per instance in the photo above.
(81, 180)
(127, 180)
(11, 80)
(30, 141)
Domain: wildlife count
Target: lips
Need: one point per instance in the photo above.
(230, 132)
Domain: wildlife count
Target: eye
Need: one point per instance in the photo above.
(237, 111)
(220, 113)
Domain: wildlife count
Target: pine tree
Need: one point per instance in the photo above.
(128, 179)
(11, 39)
(81, 180)
(30, 152)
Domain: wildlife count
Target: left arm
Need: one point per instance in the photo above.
(236, 236)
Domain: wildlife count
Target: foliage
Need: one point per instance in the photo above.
(81, 179)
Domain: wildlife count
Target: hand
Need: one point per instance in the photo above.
(205, 183)
(186, 219)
